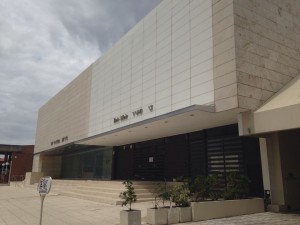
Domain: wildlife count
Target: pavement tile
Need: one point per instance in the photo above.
(21, 206)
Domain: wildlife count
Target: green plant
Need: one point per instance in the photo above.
(165, 193)
(203, 188)
(157, 195)
(180, 195)
(213, 187)
(128, 195)
(196, 187)
(237, 186)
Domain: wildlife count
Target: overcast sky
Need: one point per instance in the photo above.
(44, 44)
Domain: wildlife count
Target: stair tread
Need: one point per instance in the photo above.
(101, 198)
(102, 191)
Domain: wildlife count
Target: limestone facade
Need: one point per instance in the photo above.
(228, 54)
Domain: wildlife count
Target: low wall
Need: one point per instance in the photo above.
(227, 208)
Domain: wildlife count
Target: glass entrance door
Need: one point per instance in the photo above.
(103, 163)
(93, 164)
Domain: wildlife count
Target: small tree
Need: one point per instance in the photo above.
(237, 186)
(165, 193)
(156, 193)
(181, 195)
(203, 188)
(213, 187)
(128, 196)
(195, 185)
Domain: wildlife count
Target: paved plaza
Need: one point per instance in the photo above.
(22, 206)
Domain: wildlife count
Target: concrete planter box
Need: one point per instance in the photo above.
(157, 216)
(226, 208)
(173, 215)
(185, 214)
(179, 215)
(130, 217)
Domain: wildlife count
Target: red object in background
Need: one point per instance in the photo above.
(22, 161)
(15, 161)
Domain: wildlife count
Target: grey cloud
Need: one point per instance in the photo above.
(103, 21)
(45, 44)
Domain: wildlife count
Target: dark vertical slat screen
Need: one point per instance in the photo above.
(124, 163)
(224, 152)
(149, 161)
(217, 151)
(198, 162)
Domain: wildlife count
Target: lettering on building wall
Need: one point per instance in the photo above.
(57, 141)
(121, 118)
(64, 139)
(150, 107)
(135, 113)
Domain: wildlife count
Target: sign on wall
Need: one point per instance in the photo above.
(135, 113)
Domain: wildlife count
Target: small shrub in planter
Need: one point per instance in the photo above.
(181, 197)
(158, 215)
(237, 187)
(236, 190)
(130, 216)
(204, 188)
(156, 194)
(165, 193)
(213, 187)
(196, 187)
(128, 196)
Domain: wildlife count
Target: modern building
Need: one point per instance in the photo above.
(15, 161)
(197, 87)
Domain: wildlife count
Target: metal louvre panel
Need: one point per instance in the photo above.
(224, 152)
(198, 158)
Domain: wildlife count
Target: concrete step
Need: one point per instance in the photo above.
(112, 190)
(102, 199)
(109, 194)
(102, 191)
(112, 201)
(116, 184)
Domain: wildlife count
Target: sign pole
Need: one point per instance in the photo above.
(42, 206)
(44, 187)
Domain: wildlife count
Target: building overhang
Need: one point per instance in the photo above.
(193, 118)
(281, 112)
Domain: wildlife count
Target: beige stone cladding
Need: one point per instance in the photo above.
(224, 65)
(165, 61)
(267, 35)
(256, 50)
(64, 118)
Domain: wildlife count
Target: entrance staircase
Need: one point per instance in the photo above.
(102, 191)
